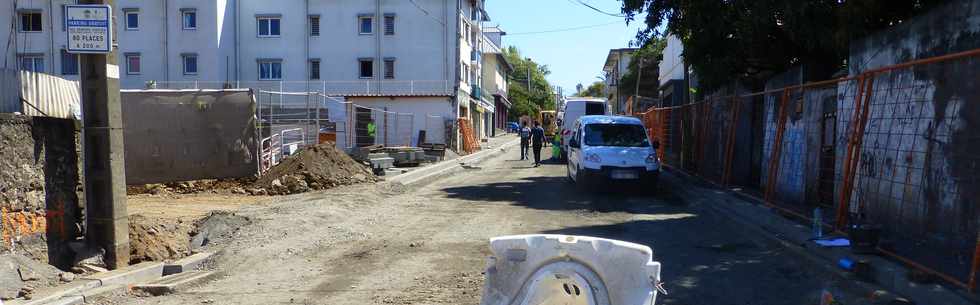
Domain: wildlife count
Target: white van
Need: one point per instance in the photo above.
(574, 108)
(611, 148)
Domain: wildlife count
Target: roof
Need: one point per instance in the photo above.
(609, 119)
(614, 56)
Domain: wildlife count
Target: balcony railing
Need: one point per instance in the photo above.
(334, 88)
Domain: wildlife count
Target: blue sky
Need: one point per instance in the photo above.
(574, 56)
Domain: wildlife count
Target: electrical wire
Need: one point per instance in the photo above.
(566, 29)
(596, 9)
(426, 12)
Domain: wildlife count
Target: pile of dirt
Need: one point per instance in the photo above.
(158, 239)
(214, 186)
(314, 168)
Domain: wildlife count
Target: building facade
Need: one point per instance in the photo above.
(673, 79)
(617, 65)
(495, 71)
(421, 56)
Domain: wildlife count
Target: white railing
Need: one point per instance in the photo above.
(333, 88)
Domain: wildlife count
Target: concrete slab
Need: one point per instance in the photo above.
(139, 273)
(172, 283)
(186, 264)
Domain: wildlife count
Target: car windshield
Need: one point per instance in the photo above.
(620, 135)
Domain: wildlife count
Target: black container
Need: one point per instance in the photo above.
(864, 238)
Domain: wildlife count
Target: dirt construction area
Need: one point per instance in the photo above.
(390, 244)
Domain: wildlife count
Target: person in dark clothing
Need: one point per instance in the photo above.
(537, 139)
(525, 140)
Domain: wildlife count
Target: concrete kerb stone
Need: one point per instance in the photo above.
(92, 294)
(889, 277)
(192, 262)
(173, 283)
(441, 169)
(139, 273)
(69, 289)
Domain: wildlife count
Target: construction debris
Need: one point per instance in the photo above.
(158, 239)
(317, 167)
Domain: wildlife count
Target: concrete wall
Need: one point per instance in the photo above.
(428, 113)
(918, 170)
(188, 135)
(39, 177)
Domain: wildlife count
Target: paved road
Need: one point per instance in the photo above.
(392, 245)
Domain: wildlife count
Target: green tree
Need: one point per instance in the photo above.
(540, 96)
(596, 89)
(751, 40)
(649, 80)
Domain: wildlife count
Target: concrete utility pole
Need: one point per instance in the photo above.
(106, 222)
(639, 75)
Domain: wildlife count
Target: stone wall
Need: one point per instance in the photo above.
(39, 186)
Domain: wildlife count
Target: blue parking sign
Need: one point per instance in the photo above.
(89, 28)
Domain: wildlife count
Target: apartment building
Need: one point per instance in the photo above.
(617, 64)
(495, 71)
(413, 56)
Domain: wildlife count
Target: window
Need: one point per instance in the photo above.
(30, 21)
(367, 68)
(314, 69)
(190, 64)
(617, 135)
(389, 68)
(133, 66)
(270, 70)
(314, 25)
(365, 25)
(189, 19)
(132, 20)
(269, 26)
(466, 73)
(32, 62)
(69, 63)
(389, 25)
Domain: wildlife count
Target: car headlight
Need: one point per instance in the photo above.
(594, 158)
(652, 159)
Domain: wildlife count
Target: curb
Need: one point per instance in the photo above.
(431, 173)
(186, 264)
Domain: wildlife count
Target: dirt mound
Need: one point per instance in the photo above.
(314, 168)
(216, 228)
(215, 186)
(158, 239)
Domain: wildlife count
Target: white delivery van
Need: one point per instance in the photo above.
(574, 108)
(611, 148)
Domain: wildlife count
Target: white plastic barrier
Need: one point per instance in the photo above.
(561, 269)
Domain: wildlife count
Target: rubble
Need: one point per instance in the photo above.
(20, 275)
(158, 239)
(314, 168)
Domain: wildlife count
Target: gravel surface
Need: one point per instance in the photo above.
(390, 244)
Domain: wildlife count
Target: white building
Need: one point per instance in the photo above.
(420, 56)
(494, 81)
(617, 64)
(673, 85)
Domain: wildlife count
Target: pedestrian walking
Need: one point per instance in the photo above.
(525, 140)
(537, 140)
